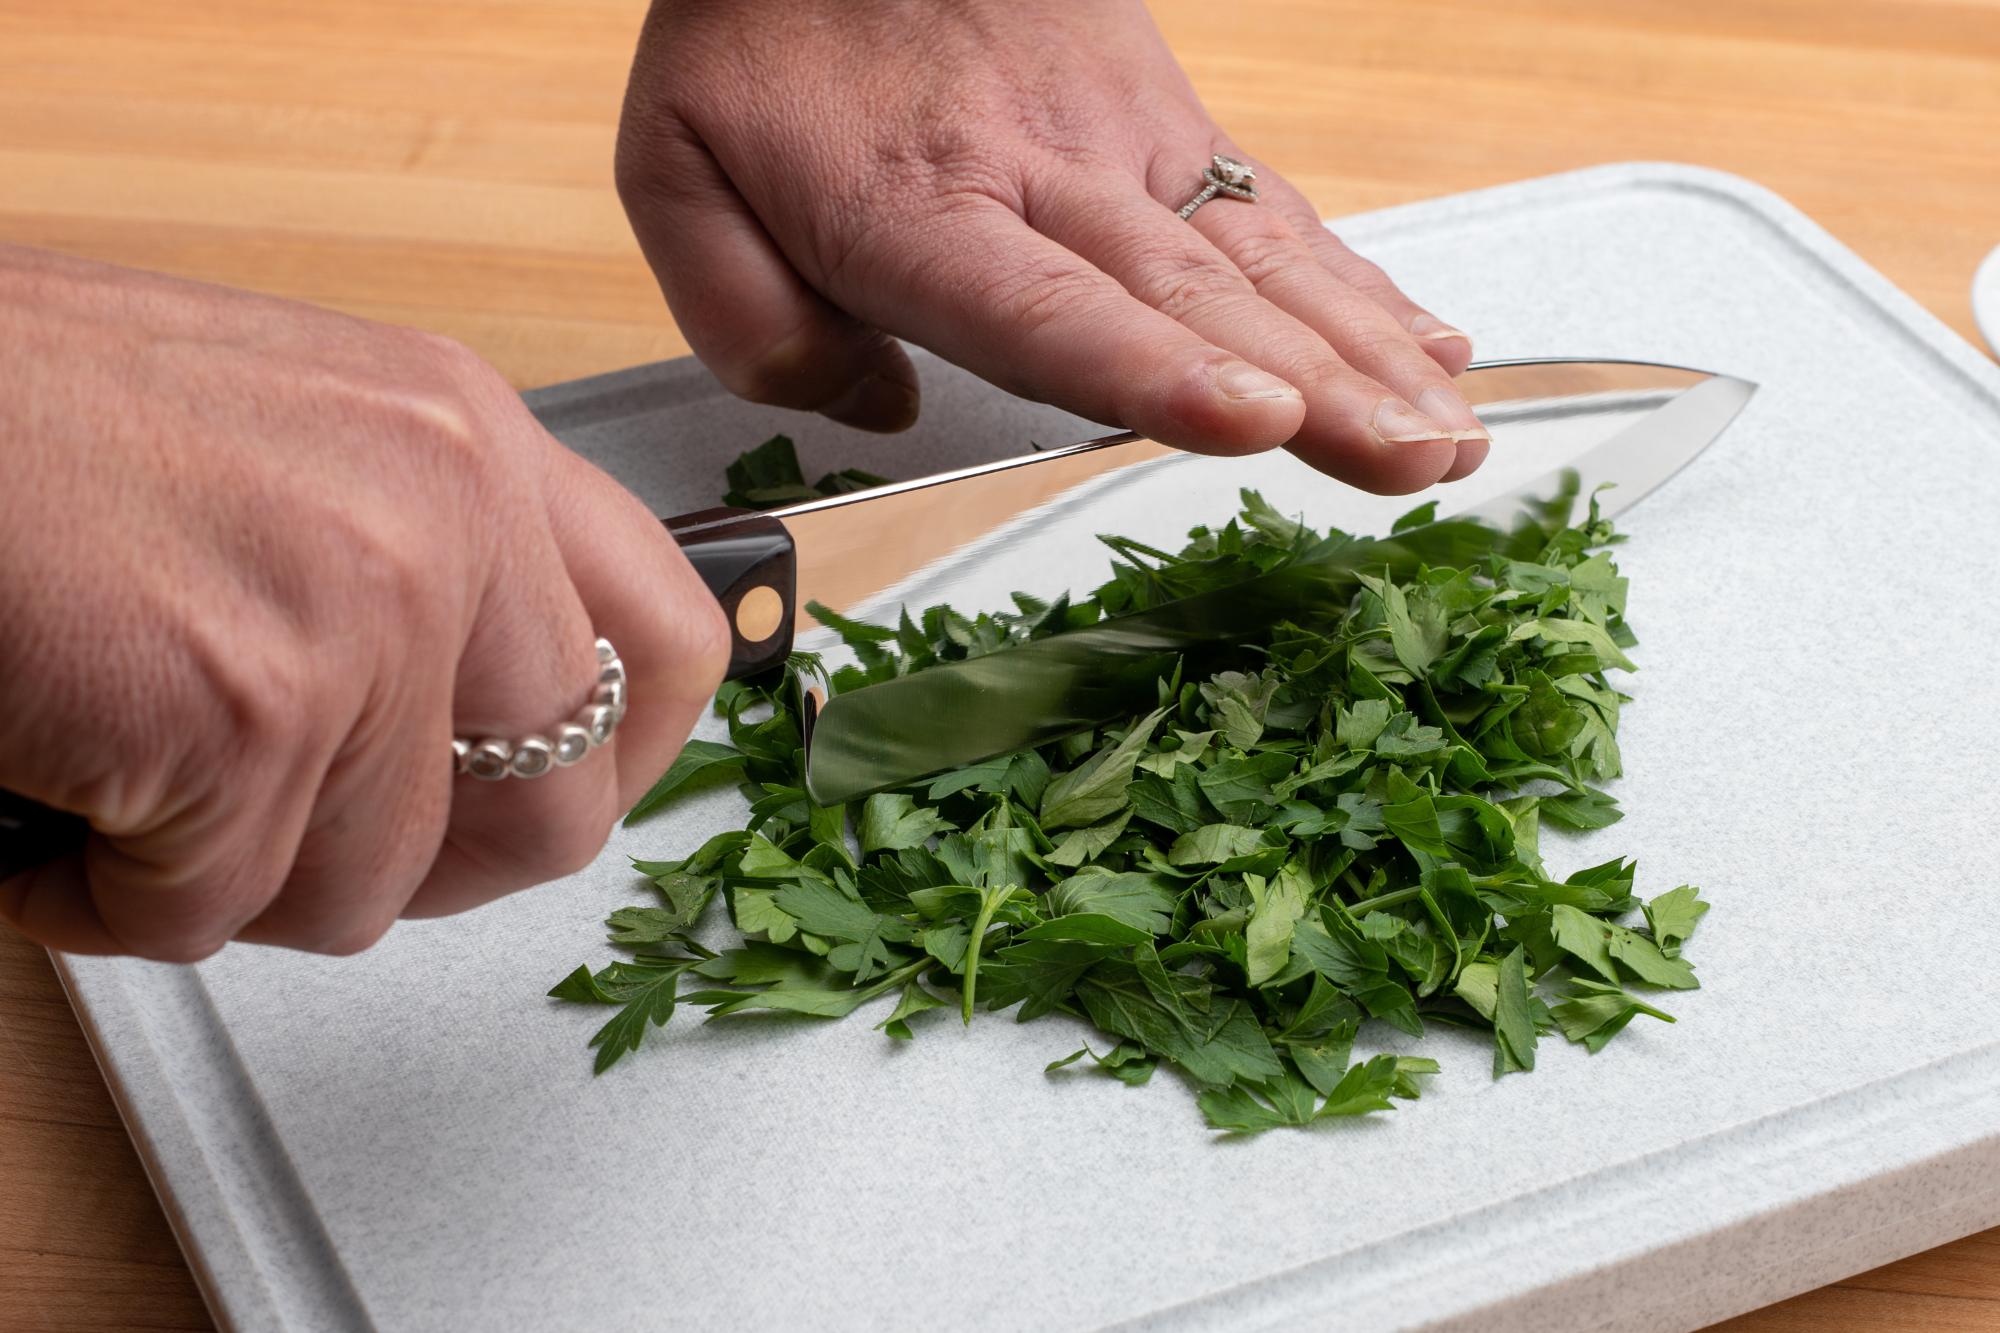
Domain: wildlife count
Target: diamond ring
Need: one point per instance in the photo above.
(1226, 176)
(531, 756)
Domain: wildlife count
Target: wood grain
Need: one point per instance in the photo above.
(447, 164)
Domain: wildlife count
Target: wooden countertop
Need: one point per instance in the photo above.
(446, 163)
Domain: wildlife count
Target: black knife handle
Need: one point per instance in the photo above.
(745, 558)
(748, 562)
(32, 834)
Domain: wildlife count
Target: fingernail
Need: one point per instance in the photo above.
(1396, 422)
(1448, 409)
(874, 402)
(1430, 326)
(1240, 379)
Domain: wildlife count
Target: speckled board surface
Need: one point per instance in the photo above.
(411, 1139)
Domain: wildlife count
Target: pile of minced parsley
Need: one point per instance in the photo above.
(1336, 831)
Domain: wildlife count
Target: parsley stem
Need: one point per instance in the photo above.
(1385, 900)
(894, 979)
(988, 900)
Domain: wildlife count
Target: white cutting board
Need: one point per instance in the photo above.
(411, 1139)
(1986, 299)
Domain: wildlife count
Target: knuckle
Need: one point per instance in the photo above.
(549, 839)
(846, 245)
(389, 568)
(573, 844)
(954, 160)
(1034, 296)
(455, 440)
(1349, 266)
(1370, 339)
(392, 569)
(885, 235)
(1263, 256)
(266, 690)
(964, 139)
(356, 937)
(1361, 272)
(435, 417)
(189, 923)
(192, 948)
(880, 233)
(1321, 376)
(1194, 287)
(945, 132)
(636, 173)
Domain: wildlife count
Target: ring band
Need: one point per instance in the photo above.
(495, 758)
(1227, 176)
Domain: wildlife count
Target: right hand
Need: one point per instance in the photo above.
(997, 180)
(259, 562)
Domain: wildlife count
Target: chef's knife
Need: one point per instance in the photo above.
(1630, 425)
(1623, 425)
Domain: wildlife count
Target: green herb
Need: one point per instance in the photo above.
(1336, 829)
(769, 476)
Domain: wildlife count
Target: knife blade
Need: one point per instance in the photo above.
(1629, 426)
(1632, 424)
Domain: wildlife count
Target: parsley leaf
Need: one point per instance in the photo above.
(1318, 836)
(697, 759)
(769, 476)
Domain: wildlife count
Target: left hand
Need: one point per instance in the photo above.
(996, 180)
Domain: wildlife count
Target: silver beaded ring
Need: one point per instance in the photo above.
(494, 758)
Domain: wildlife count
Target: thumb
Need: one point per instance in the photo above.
(744, 310)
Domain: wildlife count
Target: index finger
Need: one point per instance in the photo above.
(982, 288)
(644, 596)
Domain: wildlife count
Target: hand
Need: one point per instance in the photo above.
(997, 180)
(258, 564)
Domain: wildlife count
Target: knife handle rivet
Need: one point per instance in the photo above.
(759, 613)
